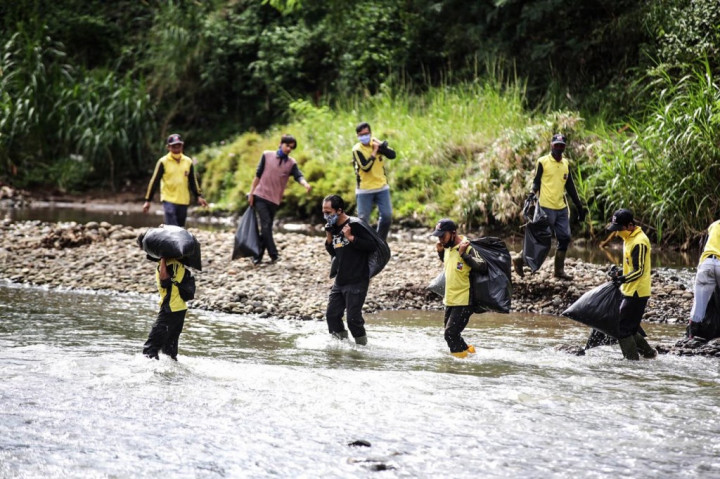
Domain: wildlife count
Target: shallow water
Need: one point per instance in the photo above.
(254, 397)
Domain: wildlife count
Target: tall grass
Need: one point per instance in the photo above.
(666, 166)
(62, 126)
(466, 151)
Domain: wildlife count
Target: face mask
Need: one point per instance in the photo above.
(625, 234)
(331, 218)
(175, 157)
(364, 139)
(280, 153)
(557, 152)
(450, 243)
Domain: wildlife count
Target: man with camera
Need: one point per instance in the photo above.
(369, 156)
(350, 244)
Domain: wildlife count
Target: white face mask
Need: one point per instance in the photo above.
(364, 139)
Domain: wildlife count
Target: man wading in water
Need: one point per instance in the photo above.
(350, 245)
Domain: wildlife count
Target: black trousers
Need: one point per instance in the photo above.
(350, 299)
(266, 211)
(165, 334)
(456, 318)
(174, 214)
(632, 309)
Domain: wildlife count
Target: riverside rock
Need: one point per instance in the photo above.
(71, 255)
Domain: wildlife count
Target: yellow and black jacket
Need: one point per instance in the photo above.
(174, 302)
(369, 170)
(176, 179)
(457, 273)
(552, 178)
(712, 247)
(636, 265)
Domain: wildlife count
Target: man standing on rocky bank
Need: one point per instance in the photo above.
(175, 175)
(372, 187)
(268, 187)
(552, 179)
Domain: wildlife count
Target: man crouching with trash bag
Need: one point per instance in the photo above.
(350, 244)
(459, 259)
(165, 333)
(634, 284)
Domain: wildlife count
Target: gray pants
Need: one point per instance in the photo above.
(706, 280)
(560, 224)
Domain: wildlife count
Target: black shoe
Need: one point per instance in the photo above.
(256, 261)
(274, 259)
(153, 356)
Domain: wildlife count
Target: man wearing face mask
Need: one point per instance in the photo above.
(369, 156)
(350, 244)
(175, 175)
(459, 259)
(634, 284)
(268, 187)
(552, 179)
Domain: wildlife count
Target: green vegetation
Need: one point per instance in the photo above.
(89, 88)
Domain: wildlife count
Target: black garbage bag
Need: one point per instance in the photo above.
(491, 291)
(247, 238)
(538, 235)
(710, 325)
(377, 260)
(170, 241)
(599, 308)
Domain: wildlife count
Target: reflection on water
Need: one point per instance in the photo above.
(255, 397)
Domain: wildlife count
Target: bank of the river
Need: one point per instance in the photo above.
(103, 256)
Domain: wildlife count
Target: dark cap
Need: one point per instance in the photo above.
(174, 139)
(620, 219)
(558, 139)
(443, 226)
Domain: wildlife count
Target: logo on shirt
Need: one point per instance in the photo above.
(565, 177)
(187, 173)
(459, 266)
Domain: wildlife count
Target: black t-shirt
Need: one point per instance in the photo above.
(352, 257)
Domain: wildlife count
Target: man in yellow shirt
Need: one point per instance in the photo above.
(165, 332)
(459, 259)
(552, 179)
(707, 279)
(369, 156)
(634, 284)
(175, 175)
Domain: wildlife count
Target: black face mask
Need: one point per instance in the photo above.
(451, 242)
(557, 152)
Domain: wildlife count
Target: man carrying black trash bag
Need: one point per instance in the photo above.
(268, 187)
(459, 258)
(349, 242)
(165, 332)
(634, 284)
(552, 179)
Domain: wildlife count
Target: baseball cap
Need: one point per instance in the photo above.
(174, 139)
(620, 219)
(558, 139)
(443, 226)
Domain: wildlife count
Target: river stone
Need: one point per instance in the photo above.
(359, 443)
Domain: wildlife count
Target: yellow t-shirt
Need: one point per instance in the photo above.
(713, 242)
(552, 184)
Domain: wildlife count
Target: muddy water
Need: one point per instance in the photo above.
(255, 397)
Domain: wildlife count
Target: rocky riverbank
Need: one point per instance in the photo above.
(106, 257)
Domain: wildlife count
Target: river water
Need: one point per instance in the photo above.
(261, 397)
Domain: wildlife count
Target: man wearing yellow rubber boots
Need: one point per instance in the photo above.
(552, 179)
(459, 259)
(634, 284)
